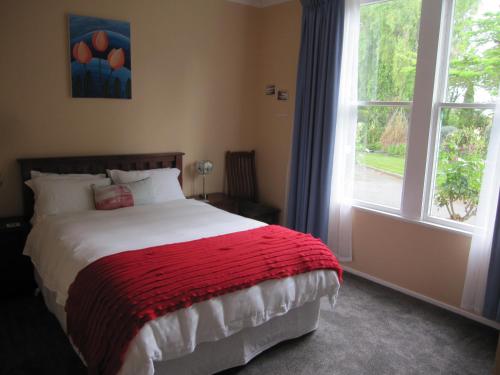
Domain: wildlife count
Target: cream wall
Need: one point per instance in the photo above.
(191, 72)
(277, 54)
(423, 259)
(199, 71)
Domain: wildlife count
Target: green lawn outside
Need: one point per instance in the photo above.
(383, 162)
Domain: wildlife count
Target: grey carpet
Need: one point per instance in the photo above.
(372, 330)
(375, 330)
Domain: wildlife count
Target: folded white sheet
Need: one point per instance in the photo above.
(60, 246)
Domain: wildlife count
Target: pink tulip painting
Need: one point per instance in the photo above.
(100, 40)
(116, 58)
(100, 58)
(82, 53)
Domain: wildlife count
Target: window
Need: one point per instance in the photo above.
(387, 57)
(461, 152)
(465, 109)
(428, 75)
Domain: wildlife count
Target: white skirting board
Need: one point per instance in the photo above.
(424, 298)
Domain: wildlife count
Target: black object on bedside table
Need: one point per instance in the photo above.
(16, 270)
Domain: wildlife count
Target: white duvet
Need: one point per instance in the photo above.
(60, 246)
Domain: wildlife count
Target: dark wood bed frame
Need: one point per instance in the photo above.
(94, 165)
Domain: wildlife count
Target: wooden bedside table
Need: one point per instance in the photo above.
(16, 270)
(220, 200)
(251, 210)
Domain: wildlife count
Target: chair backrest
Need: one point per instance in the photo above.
(241, 175)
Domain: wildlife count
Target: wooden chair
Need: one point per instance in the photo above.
(242, 186)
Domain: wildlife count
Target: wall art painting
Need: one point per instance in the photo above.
(100, 58)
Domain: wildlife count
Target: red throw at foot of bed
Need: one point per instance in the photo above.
(112, 298)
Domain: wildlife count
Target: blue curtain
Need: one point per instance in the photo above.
(492, 298)
(316, 105)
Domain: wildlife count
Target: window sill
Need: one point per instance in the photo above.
(427, 224)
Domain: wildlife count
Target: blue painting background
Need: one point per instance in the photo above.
(96, 79)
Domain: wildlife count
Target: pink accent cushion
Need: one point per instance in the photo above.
(112, 197)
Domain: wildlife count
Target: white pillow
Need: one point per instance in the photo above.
(59, 196)
(56, 176)
(165, 181)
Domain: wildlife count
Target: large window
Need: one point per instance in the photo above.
(425, 106)
(387, 56)
(465, 109)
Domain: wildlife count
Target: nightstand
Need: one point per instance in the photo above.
(251, 210)
(220, 200)
(16, 270)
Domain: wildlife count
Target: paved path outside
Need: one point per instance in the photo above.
(381, 188)
(377, 187)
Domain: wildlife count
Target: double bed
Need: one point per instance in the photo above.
(206, 337)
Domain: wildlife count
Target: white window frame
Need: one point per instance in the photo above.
(439, 104)
(429, 97)
(378, 103)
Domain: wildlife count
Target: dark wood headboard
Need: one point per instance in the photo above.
(94, 165)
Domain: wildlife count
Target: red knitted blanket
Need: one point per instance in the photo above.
(113, 297)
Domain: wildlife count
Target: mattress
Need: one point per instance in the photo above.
(62, 245)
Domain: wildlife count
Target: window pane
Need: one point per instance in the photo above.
(474, 62)
(388, 50)
(463, 144)
(380, 154)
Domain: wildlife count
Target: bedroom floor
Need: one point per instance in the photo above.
(373, 330)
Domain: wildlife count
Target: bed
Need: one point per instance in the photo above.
(204, 338)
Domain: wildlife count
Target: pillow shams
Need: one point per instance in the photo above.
(123, 195)
(35, 175)
(142, 191)
(165, 182)
(59, 196)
